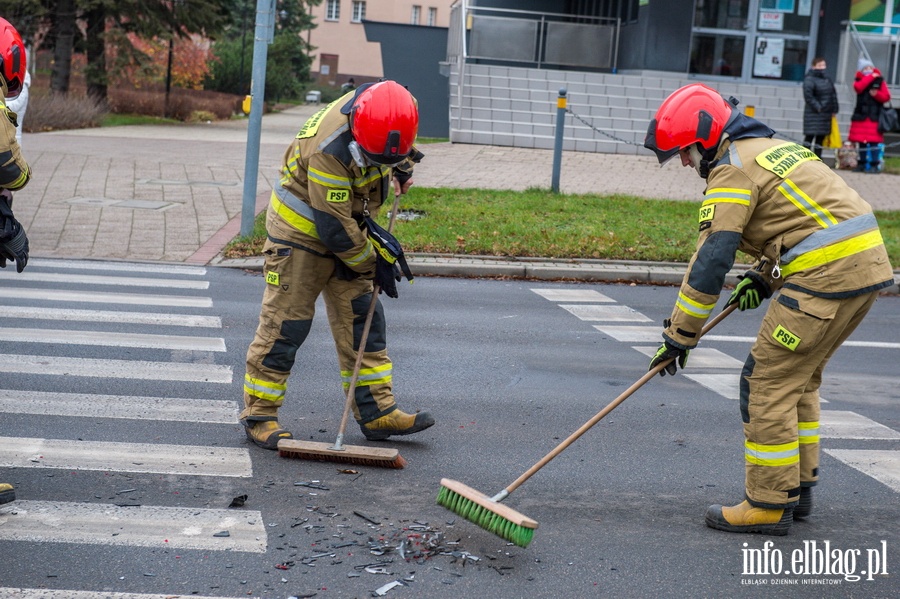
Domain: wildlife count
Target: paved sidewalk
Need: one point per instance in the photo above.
(173, 193)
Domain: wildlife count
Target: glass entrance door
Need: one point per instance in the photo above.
(753, 39)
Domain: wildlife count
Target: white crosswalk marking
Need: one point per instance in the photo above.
(840, 424)
(44, 277)
(610, 313)
(635, 334)
(93, 297)
(140, 526)
(75, 315)
(107, 339)
(573, 295)
(85, 405)
(702, 357)
(726, 385)
(24, 452)
(882, 465)
(165, 269)
(117, 369)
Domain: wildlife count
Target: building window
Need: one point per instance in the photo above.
(415, 15)
(359, 11)
(333, 10)
(432, 16)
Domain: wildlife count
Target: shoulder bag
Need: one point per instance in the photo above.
(887, 119)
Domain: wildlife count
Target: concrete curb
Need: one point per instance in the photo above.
(538, 269)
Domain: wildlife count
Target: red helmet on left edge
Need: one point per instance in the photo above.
(12, 58)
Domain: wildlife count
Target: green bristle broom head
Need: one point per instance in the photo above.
(485, 518)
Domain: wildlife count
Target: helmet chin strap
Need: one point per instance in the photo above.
(698, 162)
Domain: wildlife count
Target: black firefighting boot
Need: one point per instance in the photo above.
(743, 517)
(265, 433)
(7, 493)
(804, 508)
(396, 423)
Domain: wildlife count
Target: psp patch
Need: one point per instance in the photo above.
(273, 278)
(786, 338)
(707, 213)
(337, 196)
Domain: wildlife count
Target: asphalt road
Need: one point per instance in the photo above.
(119, 435)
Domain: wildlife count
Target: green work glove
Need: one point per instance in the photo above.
(666, 351)
(750, 292)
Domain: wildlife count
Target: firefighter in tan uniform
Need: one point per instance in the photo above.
(14, 171)
(816, 240)
(342, 165)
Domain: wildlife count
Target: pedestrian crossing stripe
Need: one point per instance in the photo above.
(136, 526)
(726, 385)
(882, 465)
(573, 295)
(840, 424)
(701, 357)
(108, 339)
(150, 458)
(116, 369)
(112, 316)
(84, 405)
(49, 277)
(610, 313)
(94, 297)
(168, 269)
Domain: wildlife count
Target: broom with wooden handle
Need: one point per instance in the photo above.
(338, 452)
(505, 522)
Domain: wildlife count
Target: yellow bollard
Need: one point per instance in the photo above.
(245, 105)
(750, 110)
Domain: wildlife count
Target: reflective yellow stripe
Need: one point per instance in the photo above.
(806, 204)
(23, 178)
(830, 253)
(727, 195)
(264, 389)
(371, 173)
(693, 308)
(362, 256)
(298, 221)
(327, 179)
(772, 455)
(369, 376)
(809, 432)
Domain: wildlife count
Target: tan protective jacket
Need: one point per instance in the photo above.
(14, 171)
(324, 192)
(808, 230)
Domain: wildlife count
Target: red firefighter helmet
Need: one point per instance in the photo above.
(12, 58)
(384, 119)
(692, 114)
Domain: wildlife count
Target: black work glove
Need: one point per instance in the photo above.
(386, 277)
(750, 292)
(668, 351)
(13, 241)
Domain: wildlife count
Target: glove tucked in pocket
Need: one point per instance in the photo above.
(390, 261)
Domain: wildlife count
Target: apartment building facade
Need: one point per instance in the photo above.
(342, 50)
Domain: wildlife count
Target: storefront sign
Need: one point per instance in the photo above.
(771, 20)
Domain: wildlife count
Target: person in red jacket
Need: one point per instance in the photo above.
(871, 94)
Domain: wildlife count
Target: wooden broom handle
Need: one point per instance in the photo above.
(610, 407)
(376, 289)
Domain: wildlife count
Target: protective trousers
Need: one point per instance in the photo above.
(294, 279)
(779, 391)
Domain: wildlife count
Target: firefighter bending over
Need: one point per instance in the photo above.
(816, 240)
(342, 166)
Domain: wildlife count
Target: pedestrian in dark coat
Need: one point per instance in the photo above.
(871, 94)
(821, 104)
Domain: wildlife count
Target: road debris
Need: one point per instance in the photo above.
(383, 590)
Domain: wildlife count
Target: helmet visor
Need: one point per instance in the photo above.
(663, 156)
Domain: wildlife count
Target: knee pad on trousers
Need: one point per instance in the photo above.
(376, 340)
(284, 350)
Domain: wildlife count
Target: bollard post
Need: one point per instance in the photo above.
(558, 142)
